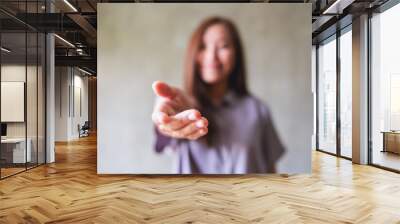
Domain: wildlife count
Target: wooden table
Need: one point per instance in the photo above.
(13, 150)
(391, 141)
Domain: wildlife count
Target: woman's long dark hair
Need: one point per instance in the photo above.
(196, 88)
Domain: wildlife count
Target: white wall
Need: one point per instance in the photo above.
(15, 72)
(61, 103)
(68, 81)
(9, 73)
(141, 43)
(79, 117)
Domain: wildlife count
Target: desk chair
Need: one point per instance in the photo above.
(84, 130)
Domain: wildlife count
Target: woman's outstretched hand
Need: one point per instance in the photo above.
(174, 116)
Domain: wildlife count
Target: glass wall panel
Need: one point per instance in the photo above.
(32, 87)
(346, 94)
(13, 109)
(385, 87)
(32, 96)
(22, 88)
(327, 96)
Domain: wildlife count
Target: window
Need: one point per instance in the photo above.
(334, 106)
(346, 93)
(327, 96)
(385, 89)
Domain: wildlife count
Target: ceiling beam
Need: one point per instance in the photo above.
(84, 61)
(85, 25)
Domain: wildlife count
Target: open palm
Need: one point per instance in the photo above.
(174, 116)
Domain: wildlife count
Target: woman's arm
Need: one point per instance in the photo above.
(173, 117)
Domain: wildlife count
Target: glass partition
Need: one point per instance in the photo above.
(385, 89)
(327, 95)
(32, 96)
(22, 101)
(13, 103)
(346, 93)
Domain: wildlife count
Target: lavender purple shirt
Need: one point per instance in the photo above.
(248, 141)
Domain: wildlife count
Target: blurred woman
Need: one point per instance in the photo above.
(215, 125)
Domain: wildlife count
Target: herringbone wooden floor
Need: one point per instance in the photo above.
(70, 191)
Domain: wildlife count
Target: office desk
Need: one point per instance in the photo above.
(391, 141)
(13, 150)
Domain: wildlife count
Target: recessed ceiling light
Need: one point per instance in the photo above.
(5, 50)
(84, 71)
(70, 5)
(64, 40)
(337, 7)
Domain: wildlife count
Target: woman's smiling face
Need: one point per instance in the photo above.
(216, 57)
